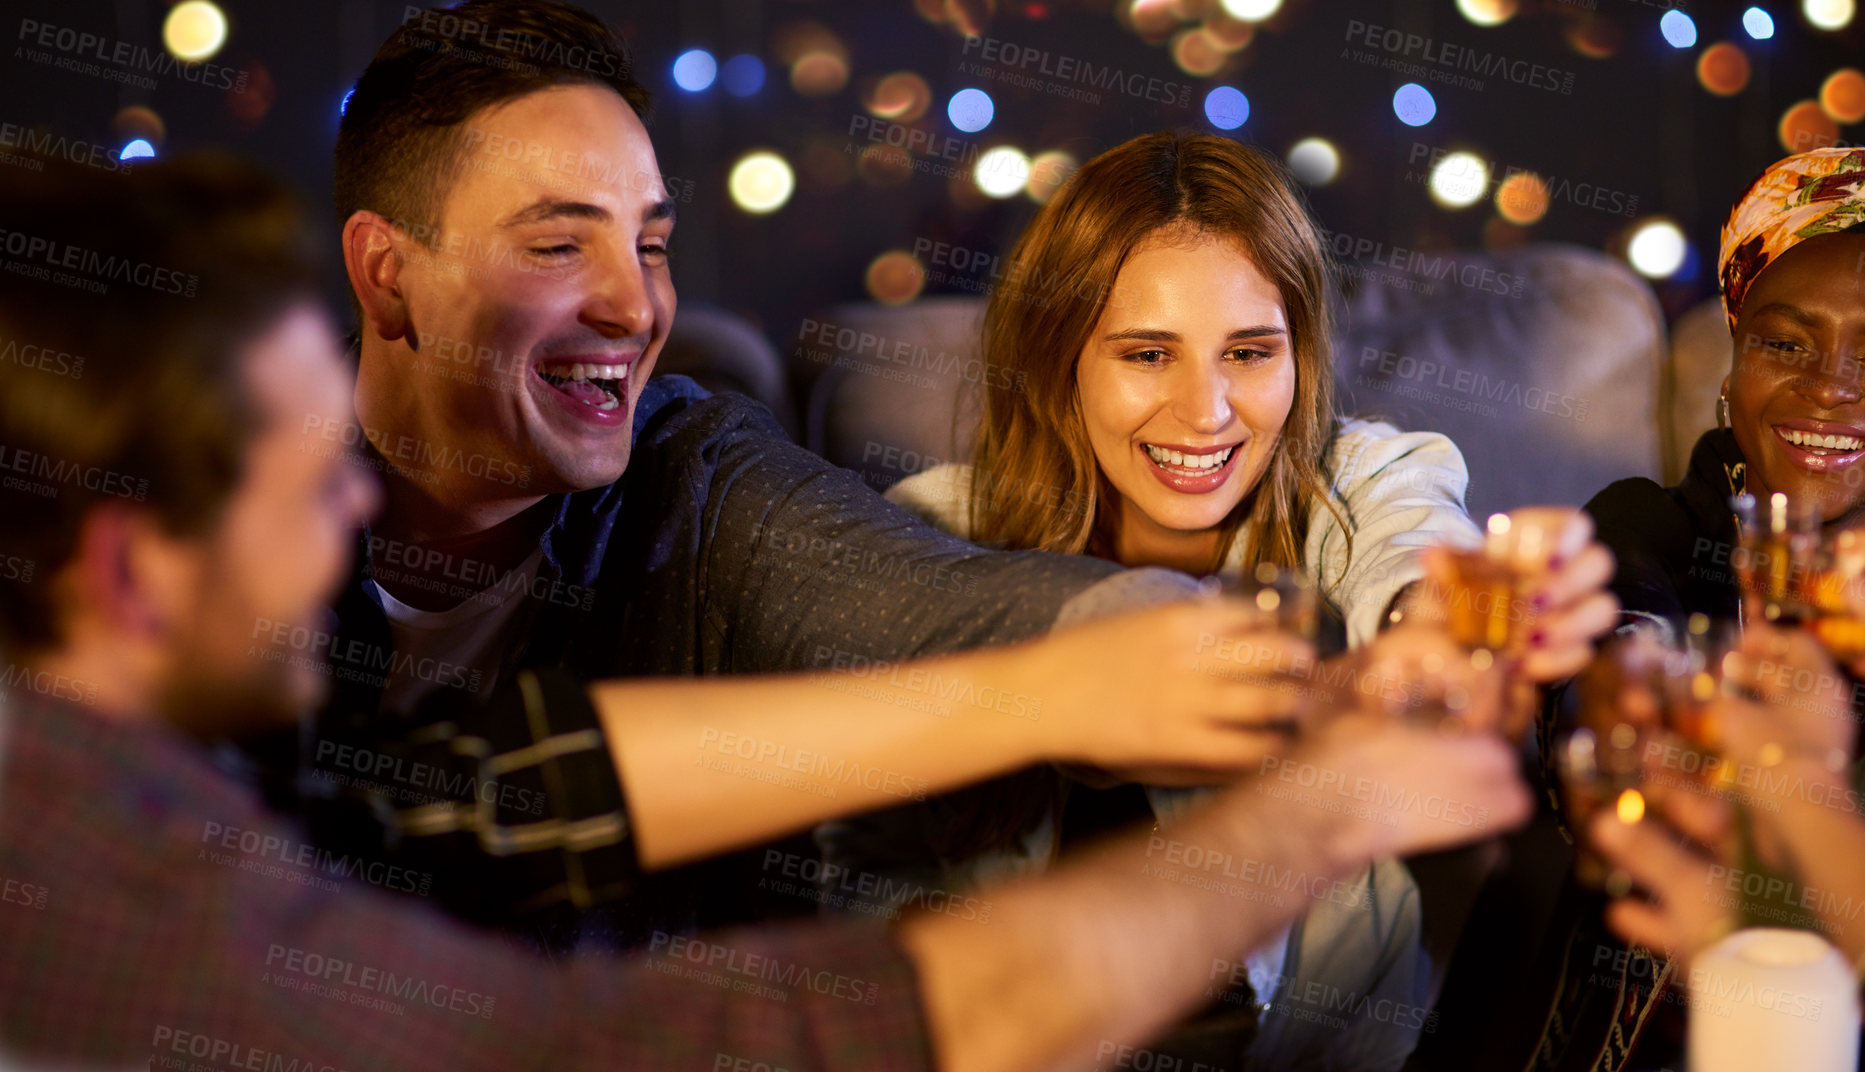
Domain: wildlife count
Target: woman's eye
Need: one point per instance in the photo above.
(1148, 357)
(563, 250)
(1250, 357)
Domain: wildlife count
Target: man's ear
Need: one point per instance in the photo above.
(129, 576)
(374, 268)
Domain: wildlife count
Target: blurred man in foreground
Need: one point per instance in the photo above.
(174, 493)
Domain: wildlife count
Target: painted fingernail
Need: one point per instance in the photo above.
(1541, 602)
(1537, 638)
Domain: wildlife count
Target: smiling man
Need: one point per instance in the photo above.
(550, 504)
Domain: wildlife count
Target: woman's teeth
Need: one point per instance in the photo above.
(1845, 444)
(1189, 462)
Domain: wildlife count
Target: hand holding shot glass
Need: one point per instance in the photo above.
(1602, 762)
(1644, 697)
(1533, 594)
(1413, 671)
(1271, 601)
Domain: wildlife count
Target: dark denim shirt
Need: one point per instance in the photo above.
(724, 548)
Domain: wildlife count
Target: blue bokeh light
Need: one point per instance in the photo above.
(343, 106)
(1226, 107)
(136, 150)
(742, 75)
(1758, 23)
(1414, 105)
(970, 110)
(1678, 28)
(694, 70)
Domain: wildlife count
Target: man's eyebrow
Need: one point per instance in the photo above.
(556, 208)
(1259, 331)
(659, 210)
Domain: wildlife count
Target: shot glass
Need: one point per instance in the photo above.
(1428, 692)
(1279, 598)
(1837, 596)
(1603, 771)
(1778, 545)
(1483, 606)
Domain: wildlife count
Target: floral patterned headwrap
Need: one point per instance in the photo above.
(1804, 196)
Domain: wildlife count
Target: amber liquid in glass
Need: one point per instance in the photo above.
(1483, 614)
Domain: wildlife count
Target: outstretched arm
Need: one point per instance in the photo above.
(1109, 950)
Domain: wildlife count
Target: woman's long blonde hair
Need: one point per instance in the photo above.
(1035, 480)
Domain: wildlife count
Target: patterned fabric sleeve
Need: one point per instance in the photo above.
(506, 808)
(170, 921)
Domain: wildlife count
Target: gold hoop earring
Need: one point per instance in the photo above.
(1722, 411)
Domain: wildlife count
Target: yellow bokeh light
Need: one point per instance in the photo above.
(818, 74)
(137, 121)
(1229, 34)
(1723, 69)
(901, 96)
(1631, 806)
(1197, 53)
(896, 277)
(1593, 36)
(1153, 18)
(1807, 126)
(761, 182)
(1047, 174)
(1843, 95)
(1487, 12)
(194, 30)
(1522, 198)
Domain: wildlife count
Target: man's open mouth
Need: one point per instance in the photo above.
(603, 387)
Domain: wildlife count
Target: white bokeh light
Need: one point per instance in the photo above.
(1002, 172)
(194, 30)
(761, 182)
(1252, 10)
(1657, 249)
(1315, 161)
(1829, 14)
(1459, 180)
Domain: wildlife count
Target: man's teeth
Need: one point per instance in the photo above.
(610, 378)
(1181, 460)
(1826, 442)
(581, 371)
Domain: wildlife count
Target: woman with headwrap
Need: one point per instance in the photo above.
(1791, 419)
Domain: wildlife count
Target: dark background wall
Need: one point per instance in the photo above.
(1631, 120)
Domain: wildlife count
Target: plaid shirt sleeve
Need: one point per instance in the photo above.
(153, 912)
(507, 808)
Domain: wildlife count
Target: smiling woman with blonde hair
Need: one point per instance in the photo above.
(1167, 323)
(1165, 327)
